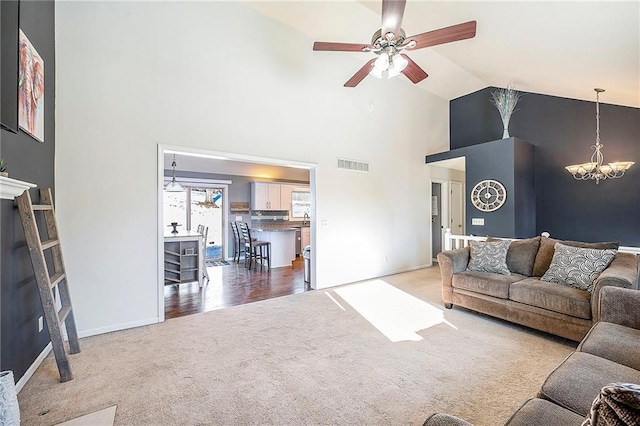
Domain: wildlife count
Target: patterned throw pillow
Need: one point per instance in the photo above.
(489, 257)
(617, 404)
(577, 267)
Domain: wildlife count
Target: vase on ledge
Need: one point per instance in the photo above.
(505, 133)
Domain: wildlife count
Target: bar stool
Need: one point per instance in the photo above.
(204, 230)
(254, 250)
(236, 242)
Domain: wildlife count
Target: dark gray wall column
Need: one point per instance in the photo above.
(31, 161)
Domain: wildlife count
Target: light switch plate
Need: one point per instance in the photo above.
(239, 218)
(325, 223)
(477, 221)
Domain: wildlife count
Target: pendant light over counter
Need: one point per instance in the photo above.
(174, 186)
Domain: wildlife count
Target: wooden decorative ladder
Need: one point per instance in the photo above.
(47, 283)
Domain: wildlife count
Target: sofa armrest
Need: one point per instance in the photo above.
(622, 272)
(452, 262)
(620, 306)
(439, 419)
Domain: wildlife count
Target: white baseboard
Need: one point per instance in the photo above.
(379, 275)
(33, 367)
(84, 333)
(117, 327)
(412, 268)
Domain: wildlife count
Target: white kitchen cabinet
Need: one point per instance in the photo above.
(285, 197)
(305, 235)
(278, 196)
(265, 196)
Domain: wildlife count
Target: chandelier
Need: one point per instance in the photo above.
(595, 169)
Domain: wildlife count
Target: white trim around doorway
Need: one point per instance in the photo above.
(162, 148)
(444, 209)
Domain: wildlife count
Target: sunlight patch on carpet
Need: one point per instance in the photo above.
(335, 301)
(104, 417)
(396, 314)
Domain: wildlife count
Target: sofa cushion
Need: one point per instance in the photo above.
(495, 285)
(521, 255)
(614, 342)
(545, 252)
(553, 297)
(576, 266)
(577, 381)
(537, 411)
(617, 404)
(489, 257)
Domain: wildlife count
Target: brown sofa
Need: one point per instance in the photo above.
(609, 353)
(522, 297)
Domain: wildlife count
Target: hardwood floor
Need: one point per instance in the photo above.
(233, 285)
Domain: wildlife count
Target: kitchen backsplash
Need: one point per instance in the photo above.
(270, 215)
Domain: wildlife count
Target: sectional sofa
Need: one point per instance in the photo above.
(520, 296)
(584, 387)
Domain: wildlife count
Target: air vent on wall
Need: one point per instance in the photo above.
(357, 166)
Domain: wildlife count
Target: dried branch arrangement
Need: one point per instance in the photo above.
(505, 101)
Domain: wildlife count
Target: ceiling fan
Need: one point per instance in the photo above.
(390, 42)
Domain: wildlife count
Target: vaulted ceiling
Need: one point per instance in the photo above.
(556, 48)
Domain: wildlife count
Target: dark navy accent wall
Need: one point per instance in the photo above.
(9, 31)
(562, 131)
(524, 193)
(31, 161)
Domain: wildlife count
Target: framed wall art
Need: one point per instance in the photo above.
(30, 89)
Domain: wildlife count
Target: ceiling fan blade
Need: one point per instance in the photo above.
(444, 35)
(339, 47)
(360, 75)
(413, 71)
(392, 12)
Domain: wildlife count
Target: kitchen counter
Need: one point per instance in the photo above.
(283, 244)
(182, 234)
(274, 229)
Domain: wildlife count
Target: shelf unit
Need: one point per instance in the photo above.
(180, 266)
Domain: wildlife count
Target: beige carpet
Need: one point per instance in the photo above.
(300, 359)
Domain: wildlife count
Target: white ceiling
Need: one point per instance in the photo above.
(557, 48)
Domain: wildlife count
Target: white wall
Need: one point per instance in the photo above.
(221, 77)
(446, 173)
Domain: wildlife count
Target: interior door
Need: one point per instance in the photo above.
(457, 208)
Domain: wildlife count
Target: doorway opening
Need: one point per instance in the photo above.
(218, 191)
(448, 201)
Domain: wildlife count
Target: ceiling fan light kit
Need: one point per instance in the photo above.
(390, 41)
